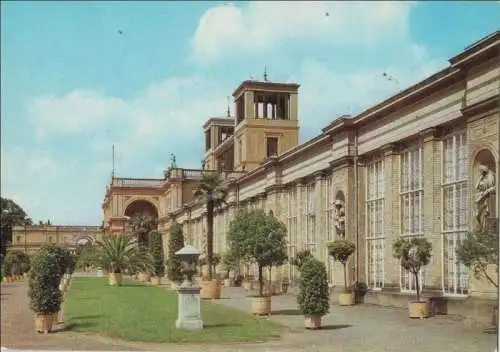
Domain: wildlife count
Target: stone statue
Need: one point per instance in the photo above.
(485, 188)
(339, 218)
(173, 163)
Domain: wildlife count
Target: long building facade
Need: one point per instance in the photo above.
(405, 167)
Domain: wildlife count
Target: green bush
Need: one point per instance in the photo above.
(413, 254)
(216, 259)
(43, 292)
(61, 256)
(175, 243)
(300, 258)
(314, 296)
(156, 251)
(229, 263)
(341, 250)
(16, 263)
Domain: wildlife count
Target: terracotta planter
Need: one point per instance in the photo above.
(155, 280)
(174, 286)
(228, 283)
(247, 285)
(143, 277)
(312, 322)
(26, 275)
(55, 320)
(261, 305)
(115, 279)
(43, 323)
(210, 289)
(270, 289)
(419, 310)
(9, 279)
(346, 299)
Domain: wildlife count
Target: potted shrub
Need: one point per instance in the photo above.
(175, 243)
(156, 251)
(43, 293)
(314, 294)
(359, 289)
(117, 253)
(262, 239)
(414, 253)
(216, 259)
(341, 250)
(229, 264)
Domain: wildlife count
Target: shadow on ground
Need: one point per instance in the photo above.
(335, 327)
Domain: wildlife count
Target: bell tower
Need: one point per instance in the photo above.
(266, 121)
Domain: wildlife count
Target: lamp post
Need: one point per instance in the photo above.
(189, 312)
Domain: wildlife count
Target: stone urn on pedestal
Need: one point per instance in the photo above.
(189, 313)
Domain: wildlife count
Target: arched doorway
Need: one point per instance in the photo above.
(142, 218)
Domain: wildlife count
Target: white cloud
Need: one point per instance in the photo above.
(230, 30)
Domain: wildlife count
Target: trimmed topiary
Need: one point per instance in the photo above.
(313, 297)
(45, 297)
(175, 243)
(156, 251)
(341, 250)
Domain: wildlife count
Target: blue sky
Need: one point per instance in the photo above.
(71, 85)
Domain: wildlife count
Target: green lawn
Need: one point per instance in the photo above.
(138, 312)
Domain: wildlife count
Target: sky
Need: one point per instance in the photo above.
(78, 77)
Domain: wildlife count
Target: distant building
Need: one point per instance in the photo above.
(407, 166)
(31, 238)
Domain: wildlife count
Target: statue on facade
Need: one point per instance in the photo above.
(173, 163)
(339, 218)
(485, 188)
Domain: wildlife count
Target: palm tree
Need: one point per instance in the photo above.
(142, 224)
(119, 253)
(211, 193)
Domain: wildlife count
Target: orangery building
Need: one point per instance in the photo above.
(408, 166)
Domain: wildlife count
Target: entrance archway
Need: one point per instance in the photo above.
(143, 217)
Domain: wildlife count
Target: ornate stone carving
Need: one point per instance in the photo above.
(339, 217)
(485, 188)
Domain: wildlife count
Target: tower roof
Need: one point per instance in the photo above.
(265, 86)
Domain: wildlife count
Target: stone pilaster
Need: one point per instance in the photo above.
(432, 165)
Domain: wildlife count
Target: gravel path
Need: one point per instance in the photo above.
(347, 329)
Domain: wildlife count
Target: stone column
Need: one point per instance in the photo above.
(319, 207)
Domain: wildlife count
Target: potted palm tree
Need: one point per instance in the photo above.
(341, 250)
(44, 294)
(262, 239)
(212, 194)
(414, 253)
(313, 297)
(118, 253)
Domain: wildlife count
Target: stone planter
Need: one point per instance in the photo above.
(155, 280)
(43, 323)
(115, 279)
(247, 285)
(346, 299)
(261, 305)
(419, 310)
(312, 322)
(228, 283)
(210, 289)
(143, 277)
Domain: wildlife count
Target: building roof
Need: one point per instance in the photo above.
(225, 121)
(265, 85)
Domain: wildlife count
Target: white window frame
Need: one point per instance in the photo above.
(375, 238)
(411, 171)
(455, 275)
(330, 228)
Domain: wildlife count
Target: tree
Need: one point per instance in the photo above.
(413, 254)
(117, 254)
(341, 250)
(300, 258)
(259, 237)
(11, 215)
(211, 193)
(229, 263)
(156, 250)
(477, 251)
(16, 263)
(175, 243)
(314, 294)
(142, 224)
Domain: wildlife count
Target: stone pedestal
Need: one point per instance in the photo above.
(189, 314)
